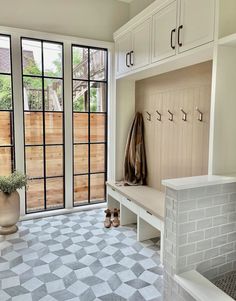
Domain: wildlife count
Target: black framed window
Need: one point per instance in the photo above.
(7, 160)
(43, 94)
(89, 76)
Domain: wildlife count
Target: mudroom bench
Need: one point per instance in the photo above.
(142, 205)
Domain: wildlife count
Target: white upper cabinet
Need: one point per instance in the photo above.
(140, 54)
(164, 33)
(123, 49)
(165, 29)
(196, 23)
(133, 48)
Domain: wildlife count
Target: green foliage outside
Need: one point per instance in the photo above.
(5, 92)
(9, 184)
(33, 86)
(79, 102)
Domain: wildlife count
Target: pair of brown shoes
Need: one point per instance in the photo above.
(108, 222)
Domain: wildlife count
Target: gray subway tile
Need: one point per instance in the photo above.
(195, 258)
(196, 214)
(204, 224)
(204, 202)
(220, 220)
(218, 241)
(187, 227)
(204, 245)
(195, 236)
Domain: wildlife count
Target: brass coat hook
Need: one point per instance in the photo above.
(149, 118)
(184, 118)
(200, 117)
(171, 118)
(159, 115)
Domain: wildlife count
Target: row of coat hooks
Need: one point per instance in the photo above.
(171, 115)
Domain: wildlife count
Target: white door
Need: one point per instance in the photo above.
(164, 32)
(140, 56)
(196, 23)
(123, 48)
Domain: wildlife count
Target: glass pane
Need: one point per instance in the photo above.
(80, 189)
(54, 161)
(35, 195)
(97, 127)
(97, 154)
(33, 128)
(80, 128)
(34, 161)
(5, 161)
(5, 128)
(5, 56)
(55, 193)
(98, 64)
(80, 96)
(53, 93)
(97, 97)
(80, 159)
(97, 189)
(52, 59)
(32, 93)
(80, 63)
(32, 57)
(5, 92)
(54, 128)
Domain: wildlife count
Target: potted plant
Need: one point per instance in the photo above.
(10, 201)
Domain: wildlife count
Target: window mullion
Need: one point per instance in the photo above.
(68, 126)
(18, 109)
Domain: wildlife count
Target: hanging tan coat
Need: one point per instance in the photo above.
(135, 170)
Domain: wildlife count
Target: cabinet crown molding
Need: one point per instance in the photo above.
(142, 16)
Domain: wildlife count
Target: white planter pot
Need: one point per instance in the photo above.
(9, 212)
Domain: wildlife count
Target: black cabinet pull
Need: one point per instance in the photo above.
(149, 212)
(179, 29)
(171, 39)
(129, 200)
(131, 57)
(127, 56)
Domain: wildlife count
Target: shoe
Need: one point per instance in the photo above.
(116, 221)
(107, 221)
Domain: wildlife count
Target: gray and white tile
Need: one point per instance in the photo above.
(73, 257)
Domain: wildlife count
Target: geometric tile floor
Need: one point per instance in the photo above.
(72, 257)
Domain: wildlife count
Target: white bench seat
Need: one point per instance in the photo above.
(142, 205)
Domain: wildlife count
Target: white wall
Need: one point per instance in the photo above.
(125, 112)
(224, 107)
(137, 6)
(94, 19)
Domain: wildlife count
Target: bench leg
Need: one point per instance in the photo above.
(127, 217)
(145, 231)
(112, 203)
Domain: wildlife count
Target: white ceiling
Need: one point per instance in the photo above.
(127, 1)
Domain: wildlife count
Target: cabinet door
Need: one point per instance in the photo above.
(123, 48)
(164, 32)
(141, 45)
(197, 18)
